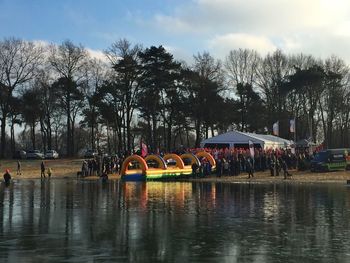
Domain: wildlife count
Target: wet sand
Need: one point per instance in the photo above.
(68, 168)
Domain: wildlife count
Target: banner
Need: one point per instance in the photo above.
(292, 125)
(275, 129)
(251, 148)
(144, 150)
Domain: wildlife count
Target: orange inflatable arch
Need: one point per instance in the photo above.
(134, 158)
(192, 157)
(208, 156)
(179, 163)
(158, 159)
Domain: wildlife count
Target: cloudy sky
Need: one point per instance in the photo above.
(186, 27)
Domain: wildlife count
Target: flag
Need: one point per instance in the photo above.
(251, 148)
(292, 125)
(144, 150)
(275, 128)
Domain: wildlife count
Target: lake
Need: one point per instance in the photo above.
(67, 220)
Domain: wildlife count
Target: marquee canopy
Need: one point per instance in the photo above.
(236, 139)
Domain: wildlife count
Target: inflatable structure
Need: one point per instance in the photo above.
(155, 167)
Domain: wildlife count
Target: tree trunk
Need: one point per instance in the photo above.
(33, 136)
(49, 133)
(324, 125)
(128, 130)
(120, 139)
(125, 148)
(68, 132)
(43, 135)
(169, 136)
(3, 134)
(92, 138)
(56, 139)
(198, 134)
(188, 137)
(154, 133)
(108, 140)
(72, 137)
(13, 143)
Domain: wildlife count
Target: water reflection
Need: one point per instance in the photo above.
(82, 221)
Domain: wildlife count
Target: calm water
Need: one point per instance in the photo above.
(86, 221)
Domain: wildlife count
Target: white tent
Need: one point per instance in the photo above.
(238, 139)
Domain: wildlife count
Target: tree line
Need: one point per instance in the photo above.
(59, 97)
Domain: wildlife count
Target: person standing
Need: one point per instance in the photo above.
(219, 167)
(277, 166)
(272, 165)
(49, 172)
(42, 166)
(194, 169)
(19, 166)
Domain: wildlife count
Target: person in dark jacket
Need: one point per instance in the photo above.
(7, 177)
(285, 169)
(194, 169)
(42, 168)
(272, 165)
(249, 168)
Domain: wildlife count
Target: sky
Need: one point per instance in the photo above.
(317, 27)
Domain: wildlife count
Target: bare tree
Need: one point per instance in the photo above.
(69, 61)
(93, 81)
(241, 66)
(331, 104)
(19, 61)
(272, 72)
(209, 71)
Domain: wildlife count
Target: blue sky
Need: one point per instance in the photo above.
(318, 27)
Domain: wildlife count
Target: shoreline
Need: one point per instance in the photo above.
(260, 178)
(68, 168)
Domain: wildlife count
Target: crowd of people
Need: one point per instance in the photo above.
(101, 166)
(233, 162)
(236, 161)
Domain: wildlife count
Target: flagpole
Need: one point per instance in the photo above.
(295, 141)
(295, 131)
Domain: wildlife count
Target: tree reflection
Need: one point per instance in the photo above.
(172, 221)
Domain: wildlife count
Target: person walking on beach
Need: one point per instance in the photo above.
(285, 169)
(19, 166)
(42, 166)
(7, 177)
(249, 168)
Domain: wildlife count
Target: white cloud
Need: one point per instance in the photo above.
(179, 53)
(318, 27)
(221, 44)
(172, 24)
(41, 43)
(98, 54)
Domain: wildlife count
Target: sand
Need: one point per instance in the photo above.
(68, 168)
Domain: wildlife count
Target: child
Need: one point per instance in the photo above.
(49, 172)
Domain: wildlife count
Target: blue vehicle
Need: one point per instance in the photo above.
(330, 160)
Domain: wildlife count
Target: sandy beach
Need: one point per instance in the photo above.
(68, 168)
